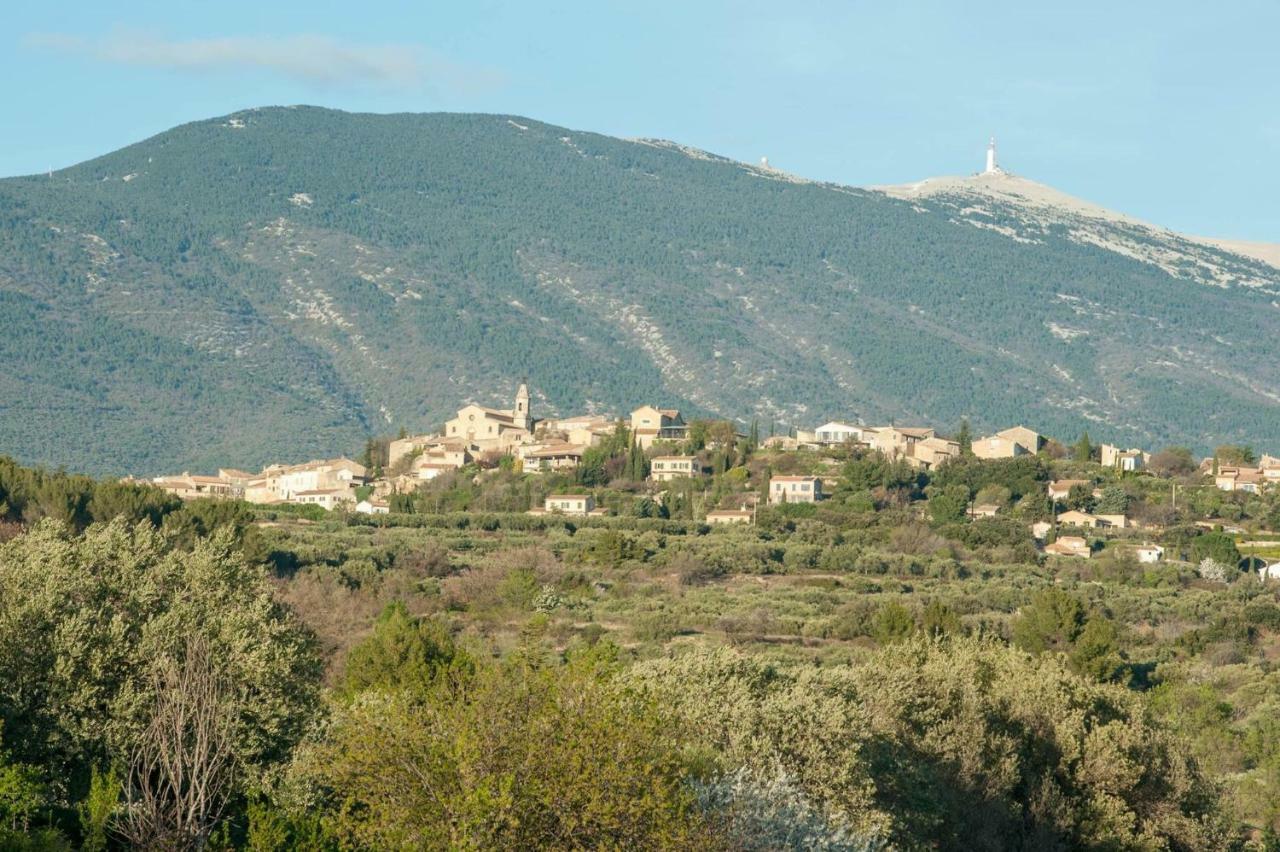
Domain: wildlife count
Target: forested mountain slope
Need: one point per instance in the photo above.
(280, 282)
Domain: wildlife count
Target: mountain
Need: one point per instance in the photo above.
(280, 283)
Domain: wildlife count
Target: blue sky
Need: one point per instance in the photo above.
(1169, 111)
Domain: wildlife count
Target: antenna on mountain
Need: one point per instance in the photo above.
(992, 168)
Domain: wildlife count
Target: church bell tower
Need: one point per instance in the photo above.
(520, 415)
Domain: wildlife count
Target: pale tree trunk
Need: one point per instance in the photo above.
(181, 771)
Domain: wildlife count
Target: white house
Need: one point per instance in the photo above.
(667, 468)
(373, 506)
(795, 489)
(570, 504)
(836, 432)
(1149, 553)
(325, 498)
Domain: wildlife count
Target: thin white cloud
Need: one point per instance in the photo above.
(314, 59)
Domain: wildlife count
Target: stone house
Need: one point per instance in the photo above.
(928, 453)
(1125, 460)
(996, 447)
(1008, 443)
(1060, 489)
(650, 424)
(895, 441)
(543, 458)
(1250, 479)
(729, 516)
(1079, 519)
(1069, 545)
(193, 486)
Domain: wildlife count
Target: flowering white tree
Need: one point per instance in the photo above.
(1212, 569)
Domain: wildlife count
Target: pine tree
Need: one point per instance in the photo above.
(965, 438)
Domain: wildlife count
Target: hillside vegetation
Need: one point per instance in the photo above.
(874, 672)
(279, 283)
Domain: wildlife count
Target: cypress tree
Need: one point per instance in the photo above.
(1083, 450)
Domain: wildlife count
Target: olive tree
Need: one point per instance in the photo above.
(87, 621)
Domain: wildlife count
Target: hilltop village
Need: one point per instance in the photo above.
(657, 452)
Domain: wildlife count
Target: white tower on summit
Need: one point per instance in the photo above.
(992, 168)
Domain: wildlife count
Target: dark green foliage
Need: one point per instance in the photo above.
(200, 518)
(873, 470)
(1096, 652)
(948, 505)
(1217, 546)
(403, 653)
(938, 619)
(964, 437)
(29, 494)
(1082, 450)
(1113, 501)
(1022, 475)
(1080, 498)
(1051, 622)
(893, 623)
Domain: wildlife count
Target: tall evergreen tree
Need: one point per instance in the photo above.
(1083, 449)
